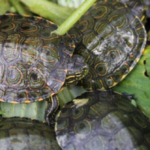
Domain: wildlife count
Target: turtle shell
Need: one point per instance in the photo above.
(32, 60)
(24, 134)
(138, 7)
(147, 3)
(102, 121)
(111, 39)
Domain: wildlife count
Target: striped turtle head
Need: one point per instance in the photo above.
(77, 69)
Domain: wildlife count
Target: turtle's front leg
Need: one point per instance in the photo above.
(53, 105)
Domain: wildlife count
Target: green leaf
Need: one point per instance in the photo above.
(22, 10)
(4, 6)
(147, 66)
(70, 3)
(48, 10)
(36, 110)
(69, 93)
(138, 83)
(74, 17)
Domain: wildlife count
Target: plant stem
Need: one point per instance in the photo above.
(19, 8)
(74, 17)
(49, 10)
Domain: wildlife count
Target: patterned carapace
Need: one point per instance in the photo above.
(24, 134)
(32, 60)
(111, 39)
(102, 121)
(138, 7)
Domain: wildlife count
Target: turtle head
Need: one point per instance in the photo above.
(77, 69)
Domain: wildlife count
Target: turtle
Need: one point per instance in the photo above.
(148, 37)
(34, 63)
(147, 3)
(24, 134)
(102, 120)
(138, 7)
(111, 38)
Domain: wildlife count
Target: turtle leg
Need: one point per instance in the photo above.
(50, 112)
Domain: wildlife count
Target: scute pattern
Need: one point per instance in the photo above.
(32, 60)
(138, 7)
(24, 134)
(111, 41)
(102, 121)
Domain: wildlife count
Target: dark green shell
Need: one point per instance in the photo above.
(102, 121)
(32, 60)
(147, 3)
(138, 7)
(111, 39)
(148, 37)
(24, 134)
